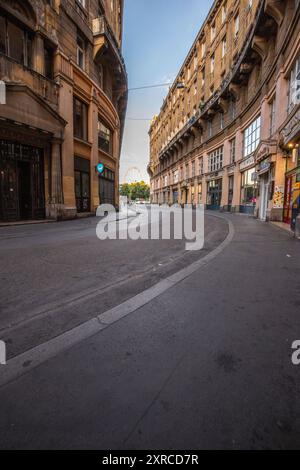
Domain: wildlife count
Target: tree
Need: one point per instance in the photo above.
(134, 191)
(125, 190)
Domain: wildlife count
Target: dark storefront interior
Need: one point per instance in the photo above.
(22, 189)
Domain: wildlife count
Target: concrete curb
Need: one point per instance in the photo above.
(29, 360)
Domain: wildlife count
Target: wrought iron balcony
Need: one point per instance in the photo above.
(101, 27)
(14, 72)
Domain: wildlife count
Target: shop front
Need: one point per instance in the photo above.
(248, 186)
(22, 182)
(82, 184)
(214, 194)
(265, 173)
(175, 195)
(107, 187)
(290, 136)
(292, 197)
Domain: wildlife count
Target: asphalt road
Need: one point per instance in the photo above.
(205, 365)
(54, 277)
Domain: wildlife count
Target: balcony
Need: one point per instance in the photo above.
(104, 36)
(13, 72)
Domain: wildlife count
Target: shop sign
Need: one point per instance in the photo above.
(264, 166)
(250, 161)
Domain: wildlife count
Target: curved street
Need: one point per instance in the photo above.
(205, 364)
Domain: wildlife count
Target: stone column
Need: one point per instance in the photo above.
(39, 54)
(56, 199)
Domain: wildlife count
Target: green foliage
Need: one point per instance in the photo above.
(134, 191)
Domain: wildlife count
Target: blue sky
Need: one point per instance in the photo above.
(157, 37)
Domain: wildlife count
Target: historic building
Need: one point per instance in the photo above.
(64, 109)
(228, 131)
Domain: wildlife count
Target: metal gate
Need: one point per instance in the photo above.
(22, 189)
(107, 187)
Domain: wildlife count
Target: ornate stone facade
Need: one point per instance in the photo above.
(66, 96)
(223, 136)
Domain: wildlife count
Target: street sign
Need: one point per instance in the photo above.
(100, 168)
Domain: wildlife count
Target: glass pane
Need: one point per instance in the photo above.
(16, 42)
(77, 184)
(85, 185)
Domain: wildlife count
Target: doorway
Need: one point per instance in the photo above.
(24, 190)
(264, 198)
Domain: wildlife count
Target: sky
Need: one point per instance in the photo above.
(157, 37)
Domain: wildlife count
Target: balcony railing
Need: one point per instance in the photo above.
(100, 27)
(225, 83)
(12, 71)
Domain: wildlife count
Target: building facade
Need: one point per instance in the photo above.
(64, 109)
(228, 132)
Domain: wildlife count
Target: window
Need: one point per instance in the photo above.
(200, 193)
(3, 38)
(209, 128)
(221, 121)
(104, 138)
(252, 137)
(248, 187)
(15, 42)
(48, 63)
(175, 177)
(224, 13)
(187, 171)
(224, 47)
(80, 52)
(232, 150)
(232, 108)
(193, 168)
(80, 119)
(272, 116)
(215, 160)
(201, 166)
(294, 89)
(230, 189)
(82, 3)
(195, 62)
(212, 64)
(213, 31)
(203, 77)
(236, 26)
(203, 49)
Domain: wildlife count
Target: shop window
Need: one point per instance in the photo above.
(200, 193)
(248, 196)
(215, 160)
(104, 138)
(230, 189)
(252, 137)
(80, 119)
(82, 184)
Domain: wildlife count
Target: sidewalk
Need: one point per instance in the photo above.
(206, 364)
